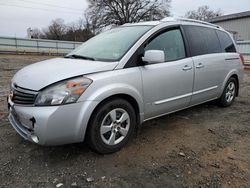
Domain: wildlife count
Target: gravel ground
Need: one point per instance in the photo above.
(204, 146)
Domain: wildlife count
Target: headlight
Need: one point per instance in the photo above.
(64, 92)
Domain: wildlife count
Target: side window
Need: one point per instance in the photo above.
(171, 42)
(226, 42)
(202, 40)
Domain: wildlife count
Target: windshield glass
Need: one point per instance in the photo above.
(110, 45)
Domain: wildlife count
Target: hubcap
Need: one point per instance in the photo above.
(115, 126)
(230, 92)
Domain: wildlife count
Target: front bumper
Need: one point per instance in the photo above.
(51, 125)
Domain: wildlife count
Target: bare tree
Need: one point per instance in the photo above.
(55, 30)
(203, 13)
(78, 32)
(102, 13)
(58, 30)
(90, 24)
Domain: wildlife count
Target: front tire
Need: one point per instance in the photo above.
(111, 126)
(229, 93)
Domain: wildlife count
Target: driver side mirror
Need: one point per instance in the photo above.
(154, 56)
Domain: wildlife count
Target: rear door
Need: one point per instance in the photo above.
(167, 86)
(209, 63)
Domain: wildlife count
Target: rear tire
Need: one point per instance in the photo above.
(111, 126)
(229, 93)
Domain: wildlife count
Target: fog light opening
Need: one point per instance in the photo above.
(34, 138)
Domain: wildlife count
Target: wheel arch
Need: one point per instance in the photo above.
(128, 98)
(234, 74)
(123, 96)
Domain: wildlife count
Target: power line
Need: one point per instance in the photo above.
(49, 10)
(50, 5)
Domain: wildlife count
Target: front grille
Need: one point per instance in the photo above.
(23, 96)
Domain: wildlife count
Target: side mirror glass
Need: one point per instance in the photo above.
(154, 56)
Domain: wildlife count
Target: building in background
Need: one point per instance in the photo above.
(237, 24)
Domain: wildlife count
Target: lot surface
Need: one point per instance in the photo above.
(204, 146)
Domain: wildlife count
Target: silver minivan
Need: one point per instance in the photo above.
(103, 90)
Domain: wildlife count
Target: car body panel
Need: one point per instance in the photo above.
(173, 89)
(233, 67)
(210, 73)
(52, 126)
(108, 84)
(44, 73)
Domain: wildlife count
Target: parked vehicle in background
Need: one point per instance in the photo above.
(121, 78)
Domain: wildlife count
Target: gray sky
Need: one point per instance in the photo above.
(17, 15)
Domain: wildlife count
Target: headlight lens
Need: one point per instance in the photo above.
(64, 92)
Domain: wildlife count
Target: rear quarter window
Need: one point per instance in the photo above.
(226, 42)
(202, 40)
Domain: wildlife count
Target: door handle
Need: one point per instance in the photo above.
(199, 66)
(186, 67)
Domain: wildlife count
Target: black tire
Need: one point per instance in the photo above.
(223, 101)
(94, 137)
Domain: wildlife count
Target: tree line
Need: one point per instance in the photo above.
(101, 14)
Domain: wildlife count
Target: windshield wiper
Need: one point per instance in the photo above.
(74, 56)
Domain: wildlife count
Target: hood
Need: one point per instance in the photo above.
(44, 73)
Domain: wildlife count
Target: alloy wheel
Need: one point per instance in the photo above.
(230, 92)
(115, 126)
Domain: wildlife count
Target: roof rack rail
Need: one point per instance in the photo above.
(171, 19)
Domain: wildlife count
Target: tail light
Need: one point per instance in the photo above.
(242, 59)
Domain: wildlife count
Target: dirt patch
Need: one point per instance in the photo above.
(204, 146)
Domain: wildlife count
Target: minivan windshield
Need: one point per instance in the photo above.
(110, 45)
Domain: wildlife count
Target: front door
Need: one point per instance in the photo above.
(167, 86)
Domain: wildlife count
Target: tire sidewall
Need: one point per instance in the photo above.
(223, 100)
(94, 136)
